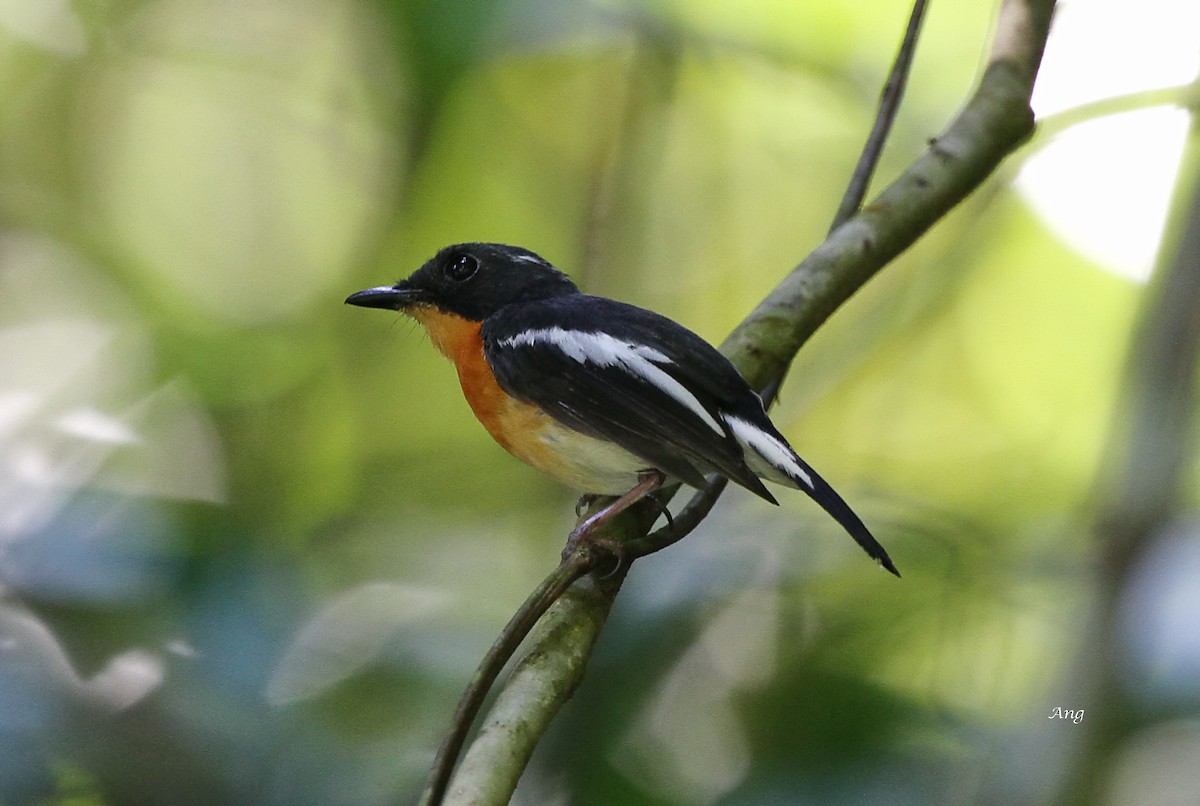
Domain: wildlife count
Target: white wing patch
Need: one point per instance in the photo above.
(604, 350)
(761, 445)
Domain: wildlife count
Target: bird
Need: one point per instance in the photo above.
(608, 398)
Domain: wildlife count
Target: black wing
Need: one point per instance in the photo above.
(622, 373)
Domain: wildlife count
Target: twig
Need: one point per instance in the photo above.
(889, 104)
(1184, 96)
(524, 707)
(702, 501)
(578, 563)
(569, 570)
(995, 120)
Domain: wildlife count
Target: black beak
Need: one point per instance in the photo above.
(389, 297)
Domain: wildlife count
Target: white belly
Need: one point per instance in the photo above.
(584, 463)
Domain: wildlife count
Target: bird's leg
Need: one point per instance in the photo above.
(648, 482)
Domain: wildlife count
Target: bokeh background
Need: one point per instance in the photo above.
(252, 542)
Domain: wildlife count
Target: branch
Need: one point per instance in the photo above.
(521, 714)
(569, 571)
(1184, 96)
(544, 679)
(702, 502)
(995, 121)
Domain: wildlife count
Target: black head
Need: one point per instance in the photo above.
(472, 280)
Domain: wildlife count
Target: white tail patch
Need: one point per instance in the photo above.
(764, 452)
(604, 350)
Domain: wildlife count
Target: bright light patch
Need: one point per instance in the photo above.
(49, 24)
(1104, 185)
(88, 423)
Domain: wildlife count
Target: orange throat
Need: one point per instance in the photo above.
(455, 337)
(458, 339)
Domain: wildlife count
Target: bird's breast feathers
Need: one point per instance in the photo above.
(523, 429)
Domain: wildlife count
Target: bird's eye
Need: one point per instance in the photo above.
(462, 268)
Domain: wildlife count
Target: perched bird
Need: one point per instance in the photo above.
(605, 397)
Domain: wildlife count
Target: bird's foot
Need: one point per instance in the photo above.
(589, 533)
(601, 545)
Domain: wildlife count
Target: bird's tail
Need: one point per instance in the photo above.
(819, 490)
(768, 455)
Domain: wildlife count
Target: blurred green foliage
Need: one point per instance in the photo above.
(252, 542)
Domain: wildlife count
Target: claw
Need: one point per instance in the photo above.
(585, 501)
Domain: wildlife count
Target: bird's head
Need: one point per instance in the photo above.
(471, 281)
